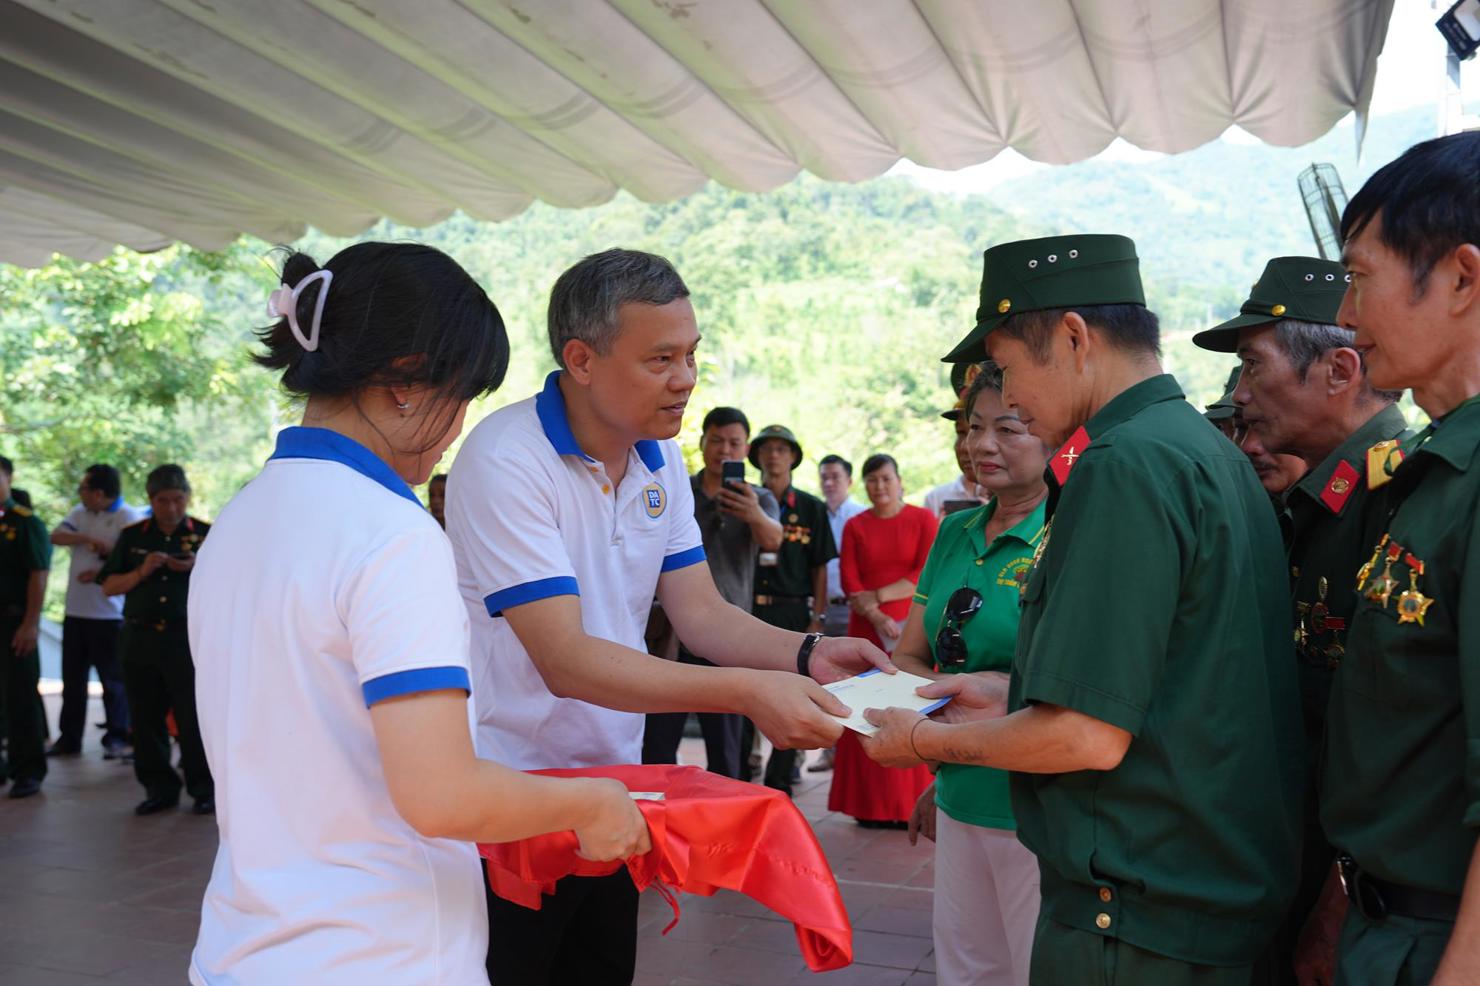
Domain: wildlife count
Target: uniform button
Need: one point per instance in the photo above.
(1105, 894)
(605, 488)
(162, 599)
(1102, 920)
(979, 561)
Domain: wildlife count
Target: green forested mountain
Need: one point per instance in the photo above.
(824, 307)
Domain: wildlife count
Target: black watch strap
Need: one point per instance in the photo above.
(804, 654)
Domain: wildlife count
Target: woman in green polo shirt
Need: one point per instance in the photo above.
(964, 619)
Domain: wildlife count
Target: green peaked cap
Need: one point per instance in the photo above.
(961, 377)
(1224, 407)
(1052, 272)
(775, 431)
(1306, 289)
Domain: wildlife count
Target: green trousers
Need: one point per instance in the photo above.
(159, 677)
(1396, 951)
(25, 716)
(1063, 956)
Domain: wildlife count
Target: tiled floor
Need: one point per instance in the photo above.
(90, 894)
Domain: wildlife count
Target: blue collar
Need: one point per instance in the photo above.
(113, 507)
(331, 446)
(549, 405)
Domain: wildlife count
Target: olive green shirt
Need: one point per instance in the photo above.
(806, 544)
(1330, 526)
(25, 547)
(1160, 605)
(960, 558)
(1400, 785)
(160, 597)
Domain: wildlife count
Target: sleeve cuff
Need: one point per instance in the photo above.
(528, 592)
(683, 559)
(921, 598)
(415, 680)
(1085, 699)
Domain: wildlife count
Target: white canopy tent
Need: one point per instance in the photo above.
(143, 122)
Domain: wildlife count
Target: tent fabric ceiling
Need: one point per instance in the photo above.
(143, 122)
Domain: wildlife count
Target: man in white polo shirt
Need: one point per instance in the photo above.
(93, 621)
(568, 512)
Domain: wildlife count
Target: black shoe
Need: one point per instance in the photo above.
(116, 750)
(60, 749)
(153, 806)
(24, 787)
(203, 806)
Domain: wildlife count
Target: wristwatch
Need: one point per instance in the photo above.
(804, 654)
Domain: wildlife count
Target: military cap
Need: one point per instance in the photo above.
(962, 376)
(1307, 289)
(775, 431)
(1053, 272)
(1224, 407)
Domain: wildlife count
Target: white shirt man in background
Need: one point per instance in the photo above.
(568, 513)
(92, 620)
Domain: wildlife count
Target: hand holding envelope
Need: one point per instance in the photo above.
(958, 698)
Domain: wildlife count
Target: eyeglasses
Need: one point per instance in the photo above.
(950, 648)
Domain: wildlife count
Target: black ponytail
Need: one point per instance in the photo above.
(396, 314)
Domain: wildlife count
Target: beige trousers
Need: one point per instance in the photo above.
(986, 905)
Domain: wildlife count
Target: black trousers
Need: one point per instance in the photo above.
(160, 677)
(722, 733)
(25, 716)
(89, 644)
(787, 616)
(585, 934)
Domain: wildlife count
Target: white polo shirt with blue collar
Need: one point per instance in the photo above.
(86, 599)
(324, 588)
(531, 516)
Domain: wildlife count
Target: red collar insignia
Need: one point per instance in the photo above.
(1343, 482)
(1063, 460)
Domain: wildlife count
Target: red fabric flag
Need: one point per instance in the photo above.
(709, 833)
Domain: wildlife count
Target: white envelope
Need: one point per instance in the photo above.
(877, 690)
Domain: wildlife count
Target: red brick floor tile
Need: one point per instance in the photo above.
(895, 951)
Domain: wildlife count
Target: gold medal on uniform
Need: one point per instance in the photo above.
(1412, 604)
(1365, 572)
(1037, 555)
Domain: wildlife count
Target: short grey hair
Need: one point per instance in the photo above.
(586, 299)
(1306, 342)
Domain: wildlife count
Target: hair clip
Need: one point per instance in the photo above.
(283, 303)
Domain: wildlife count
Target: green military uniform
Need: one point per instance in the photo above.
(25, 548)
(961, 557)
(783, 585)
(1327, 521)
(158, 674)
(1400, 778)
(1157, 604)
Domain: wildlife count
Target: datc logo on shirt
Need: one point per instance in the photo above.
(654, 499)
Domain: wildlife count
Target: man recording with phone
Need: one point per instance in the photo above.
(737, 521)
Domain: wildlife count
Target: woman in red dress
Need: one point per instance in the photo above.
(884, 548)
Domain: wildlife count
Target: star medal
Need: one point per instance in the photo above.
(1383, 586)
(1412, 604)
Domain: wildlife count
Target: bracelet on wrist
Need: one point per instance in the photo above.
(804, 654)
(918, 723)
